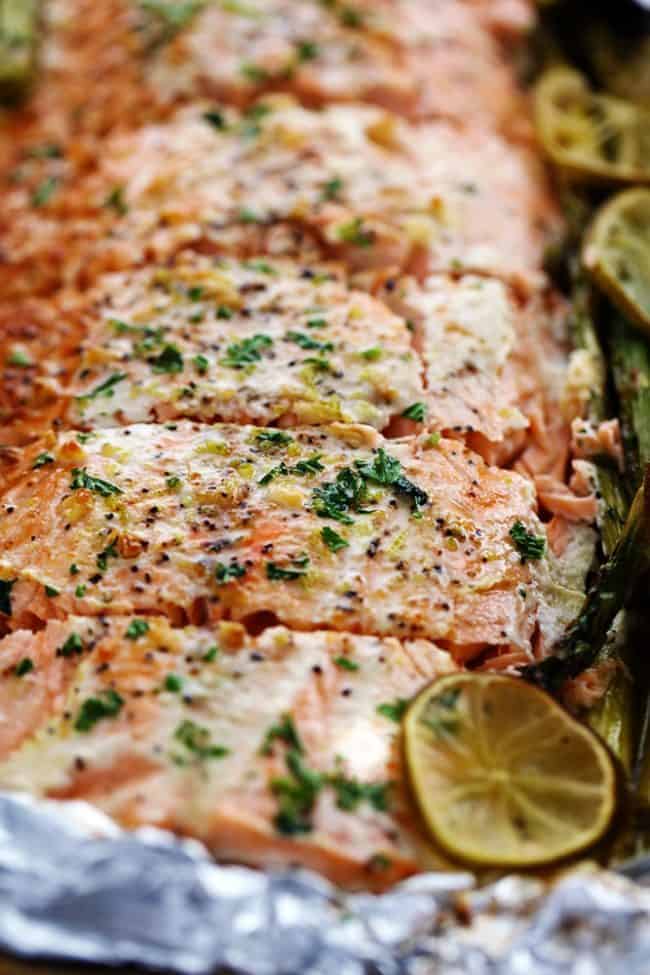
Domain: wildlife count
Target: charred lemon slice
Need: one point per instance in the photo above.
(591, 137)
(617, 253)
(504, 777)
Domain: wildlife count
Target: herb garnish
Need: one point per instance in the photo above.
(110, 552)
(104, 389)
(393, 710)
(196, 739)
(529, 545)
(353, 232)
(247, 352)
(345, 663)
(278, 438)
(226, 573)
(23, 667)
(82, 479)
(169, 361)
(284, 730)
(42, 460)
(44, 191)
(312, 465)
(136, 629)
(115, 201)
(95, 709)
(307, 342)
(332, 539)
(416, 411)
(72, 646)
(296, 569)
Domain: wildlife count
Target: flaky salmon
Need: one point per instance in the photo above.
(273, 750)
(419, 59)
(331, 527)
(353, 183)
(254, 342)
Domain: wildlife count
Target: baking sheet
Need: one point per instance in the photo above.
(74, 888)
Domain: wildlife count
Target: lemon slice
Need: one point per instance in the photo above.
(591, 137)
(617, 253)
(504, 777)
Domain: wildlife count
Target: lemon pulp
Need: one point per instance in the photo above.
(503, 775)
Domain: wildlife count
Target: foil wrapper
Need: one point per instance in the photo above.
(75, 888)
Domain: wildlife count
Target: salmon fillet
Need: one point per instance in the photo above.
(420, 60)
(352, 183)
(259, 342)
(212, 733)
(332, 527)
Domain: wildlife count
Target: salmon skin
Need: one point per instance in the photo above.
(271, 750)
(260, 341)
(330, 527)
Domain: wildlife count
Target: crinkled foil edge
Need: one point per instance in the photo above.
(75, 888)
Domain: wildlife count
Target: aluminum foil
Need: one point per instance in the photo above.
(73, 887)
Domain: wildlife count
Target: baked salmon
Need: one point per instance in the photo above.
(421, 60)
(313, 528)
(273, 750)
(351, 183)
(244, 342)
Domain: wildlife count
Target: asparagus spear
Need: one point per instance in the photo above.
(18, 43)
(630, 357)
(616, 582)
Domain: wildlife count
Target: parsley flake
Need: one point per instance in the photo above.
(296, 569)
(226, 573)
(345, 663)
(94, 709)
(82, 479)
(169, 361)
(6, 585)
(42, 460)
(23, 667)
(247, 352)
(332, 539)
(136, 629)
(73, 646)
(416, 411)
(393, 710)
(529, 545)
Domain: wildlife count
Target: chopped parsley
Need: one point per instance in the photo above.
(110, 552)
(393, 710)
(215, 118)
(23, 667)
(107, 388)
(262, 266)
(320, 363)
(72, 647)
(115, 201)
(371, 355)
(416, 411)
(196, 739)
(332, 188)
(254, 73)
(136, 629)
(529, 545)
(312, 465)
(210, 655)
(278, 438)
(307, 342)
(226, 573)
(224, 312)
(317, 323)
(345, 663)
(332, 539)
(173, 683)
(307, 50)
(350, 793)
(296, 569)
(169, 361)
(74, 569)
(247, 215)
(296, 795)
(335, 499)
(387, 471)
(19, 358)
(195, 293)
(247, 352)
(44, 191)
(94, 709)
(201, 364)
(353, 232)
(80, 591)
(173, 482)
(51, 591)
(6, 585)
(285, 730)
(82, 479)
(42, 460)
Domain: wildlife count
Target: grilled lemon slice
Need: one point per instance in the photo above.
(591, 137)
(504, 777)
(617, 253)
